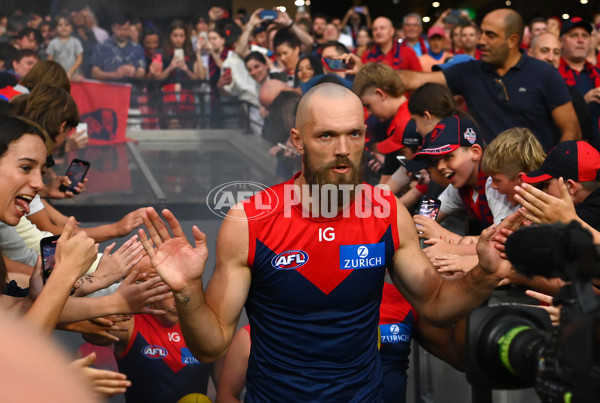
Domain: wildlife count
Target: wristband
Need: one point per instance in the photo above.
(422, 187)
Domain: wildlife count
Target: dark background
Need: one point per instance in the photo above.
(159, 10)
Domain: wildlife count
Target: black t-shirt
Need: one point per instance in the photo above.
(589, 209)
(523, 97)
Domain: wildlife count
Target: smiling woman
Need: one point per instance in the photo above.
(22, 164)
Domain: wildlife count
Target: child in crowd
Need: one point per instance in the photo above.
(456, 147)
(66, 49)
(578, 164)
(513, 153)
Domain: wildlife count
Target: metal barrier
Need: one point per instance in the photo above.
(186, 104)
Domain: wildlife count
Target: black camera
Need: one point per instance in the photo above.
(517, 347)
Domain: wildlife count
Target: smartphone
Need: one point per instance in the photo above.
(335, 64)
(76, 172)
(48, 249)
(178, 53)
(359, 9)
(290, 80)
(429, 207)
(281, 145)
(203, 35)
(82, 128)
(402, 160)
(226, 71)
(268, 14)
(157, 58)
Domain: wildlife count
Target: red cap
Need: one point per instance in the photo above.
(576, 160)
(436, 31)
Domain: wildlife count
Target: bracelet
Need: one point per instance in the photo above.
(422, 188)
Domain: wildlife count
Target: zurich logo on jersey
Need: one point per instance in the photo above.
(366, 256)
(395, 333)
(290, 260)
(155, 352)
(187, 358)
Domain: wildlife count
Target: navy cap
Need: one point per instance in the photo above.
(576, 160)
(450, 134)
(574, 23)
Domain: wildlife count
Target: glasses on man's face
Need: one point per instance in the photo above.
(503, 92)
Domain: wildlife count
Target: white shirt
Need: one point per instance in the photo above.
(498, 203)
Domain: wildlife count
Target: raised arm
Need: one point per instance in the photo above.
(207, 319)
(285, 20)
(242, 47)
(75, 252)
(414, 79)
(541, 208)
(436, 299)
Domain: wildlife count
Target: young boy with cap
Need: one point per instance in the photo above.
(578, 164)
(507, 158)
(457, 149)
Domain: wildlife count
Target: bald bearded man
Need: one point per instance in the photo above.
(506, 88)
(308, 258)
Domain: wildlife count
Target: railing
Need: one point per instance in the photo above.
(187, 104)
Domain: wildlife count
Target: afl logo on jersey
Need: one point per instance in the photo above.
(155, 352)
(290, 260)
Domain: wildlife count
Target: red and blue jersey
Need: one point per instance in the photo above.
(159, 364)
(314, 299)
(397, 322)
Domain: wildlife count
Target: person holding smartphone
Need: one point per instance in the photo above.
(181, 64)
(179, 58)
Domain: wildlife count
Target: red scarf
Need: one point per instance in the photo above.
(568, 74)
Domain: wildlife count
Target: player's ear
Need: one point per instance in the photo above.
(296, 141)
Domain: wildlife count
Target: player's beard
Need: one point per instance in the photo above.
(323, 175)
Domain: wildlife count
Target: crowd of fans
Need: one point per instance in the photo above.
(491, 119)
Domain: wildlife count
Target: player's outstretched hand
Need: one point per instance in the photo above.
(177, 262)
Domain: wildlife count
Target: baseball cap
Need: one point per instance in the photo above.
(574, 23)
(232, 33)
(456, 59)
(448, 135)
(400, 139)
(576, 160)
(436, 31)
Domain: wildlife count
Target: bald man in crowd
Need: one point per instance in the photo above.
(309, 266)
(506, 88)
(546, 47)
(387, 50)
